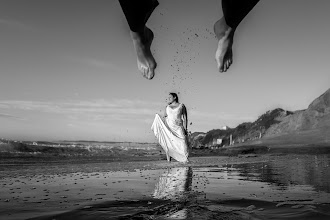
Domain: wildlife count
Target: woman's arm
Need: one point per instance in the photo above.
(185, 118)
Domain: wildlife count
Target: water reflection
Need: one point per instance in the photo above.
(283, 172)
(174, 183)
(283, 186)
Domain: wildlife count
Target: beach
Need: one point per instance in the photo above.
(265, 186)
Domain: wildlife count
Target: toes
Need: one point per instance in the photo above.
(227, 61)
(225, 65)
(221, 69)
(230, 57)
(228, 64)
(143, 70)
(145, 73)
(224, 68)
(151, 74)
(148, 73)
(221, 65)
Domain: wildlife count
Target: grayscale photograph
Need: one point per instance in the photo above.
(164, 109)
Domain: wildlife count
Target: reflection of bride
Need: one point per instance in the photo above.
(172, 132)
(174, 183)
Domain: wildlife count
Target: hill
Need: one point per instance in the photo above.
(242, 133)
(196, 138)
(278, 126)
(315, 117)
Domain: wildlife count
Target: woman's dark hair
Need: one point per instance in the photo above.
(175, 96)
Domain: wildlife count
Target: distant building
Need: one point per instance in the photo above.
(224, 128)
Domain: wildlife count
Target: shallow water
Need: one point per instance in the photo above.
(283, 187)
(279, 189)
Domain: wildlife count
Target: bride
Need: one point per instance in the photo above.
(172, 131)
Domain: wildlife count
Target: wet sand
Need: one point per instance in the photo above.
(243, 187)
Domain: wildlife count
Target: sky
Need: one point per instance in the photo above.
(68, 67)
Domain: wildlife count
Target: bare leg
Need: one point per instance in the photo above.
(234, 12)
(168, 157)
(137, 14)
(224, 52)
(142, 41)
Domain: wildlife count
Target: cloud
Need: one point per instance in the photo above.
(117, 111)
(95, 110)
(96, 63)
(15, 24)
(2, 115)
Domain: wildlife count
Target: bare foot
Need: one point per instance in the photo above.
(145, 61)
(224, 53)
(168, 158)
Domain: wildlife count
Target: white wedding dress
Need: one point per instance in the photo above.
(171, 135)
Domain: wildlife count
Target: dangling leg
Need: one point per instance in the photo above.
(137, 14)
(234, 12)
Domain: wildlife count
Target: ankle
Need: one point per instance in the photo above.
(138, 36)
(230, 32)
(221, 29)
